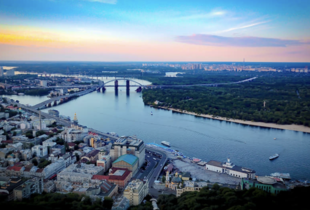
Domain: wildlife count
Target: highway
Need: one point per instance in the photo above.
(159, 167)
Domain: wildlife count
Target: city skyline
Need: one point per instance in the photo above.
(118, 30)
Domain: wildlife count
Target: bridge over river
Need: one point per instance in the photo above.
(60, 99)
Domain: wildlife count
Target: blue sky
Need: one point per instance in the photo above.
(146, 23)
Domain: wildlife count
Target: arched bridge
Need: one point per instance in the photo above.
(103, 85)
(115, 80)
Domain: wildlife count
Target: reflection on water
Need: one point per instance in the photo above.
(208, 139)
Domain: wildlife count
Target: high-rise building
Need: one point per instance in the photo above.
(1, 71)
(10, 72)
(128, 145)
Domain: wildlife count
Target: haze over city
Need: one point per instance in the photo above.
(123, 30)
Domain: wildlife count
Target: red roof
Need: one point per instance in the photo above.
(40, 170)
(14, 168)
(70, 144)
(7, 142)
(115, 177)
(100, 177)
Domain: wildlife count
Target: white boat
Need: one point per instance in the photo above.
(272, 157)
(166, 143)
(151, 113)
(281, 175)
(275, 138)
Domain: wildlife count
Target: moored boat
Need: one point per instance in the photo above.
(165, 143)
(272, 157)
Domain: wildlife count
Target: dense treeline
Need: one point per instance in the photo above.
(218, 198)
(52, 201)
(287, 100)
(35, 92)
(190, 79)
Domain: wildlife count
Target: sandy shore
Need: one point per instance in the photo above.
(259, 124)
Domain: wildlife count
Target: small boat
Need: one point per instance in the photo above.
(165, 143)
(151, 113)
(272, 157)
(275, 138)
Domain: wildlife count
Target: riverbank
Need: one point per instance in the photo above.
(196, 171)
(244, 122)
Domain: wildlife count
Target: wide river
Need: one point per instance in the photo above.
(207, 139)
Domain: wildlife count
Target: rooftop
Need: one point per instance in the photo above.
(128, 158)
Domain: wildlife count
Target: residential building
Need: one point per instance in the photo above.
(79, 173)
(49, 186)
(190, 186)
(31, 186)
(10, 72)
(39, 150)
(43, 83)
(54, 168)
(104, 160)
(90, 157)
(135, 191)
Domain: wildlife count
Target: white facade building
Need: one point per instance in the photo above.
(54, 168)
(79, 173)
(43, 83)
(39, 150)
(135, 191)
(10, 72)
(230, 169)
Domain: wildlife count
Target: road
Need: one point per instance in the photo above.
(159, 167)
(42, 104)
(43, 114)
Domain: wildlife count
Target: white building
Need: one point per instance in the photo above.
(10, 72)
(25, 125)
(79, 173)
(135, 191)
(104, 160)
(75, 133)
(54, 168)
(43, 83)
(230, 169)
(39, 150)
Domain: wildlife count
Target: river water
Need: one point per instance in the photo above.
(203, 138)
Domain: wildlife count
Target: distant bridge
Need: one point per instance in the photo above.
(54, 100)
(102, 85)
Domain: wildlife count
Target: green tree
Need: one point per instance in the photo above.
(108, 202)
(163, 179)
(35, 161)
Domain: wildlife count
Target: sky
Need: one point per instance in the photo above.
(161, 30)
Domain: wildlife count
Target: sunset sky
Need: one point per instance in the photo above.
(161, 30)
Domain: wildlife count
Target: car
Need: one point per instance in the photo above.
(154, 158)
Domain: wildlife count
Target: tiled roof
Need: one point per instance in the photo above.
(14, 168)
(130, 159)
(100, 177)
(116, 177)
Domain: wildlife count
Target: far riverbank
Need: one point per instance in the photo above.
(244, 122)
